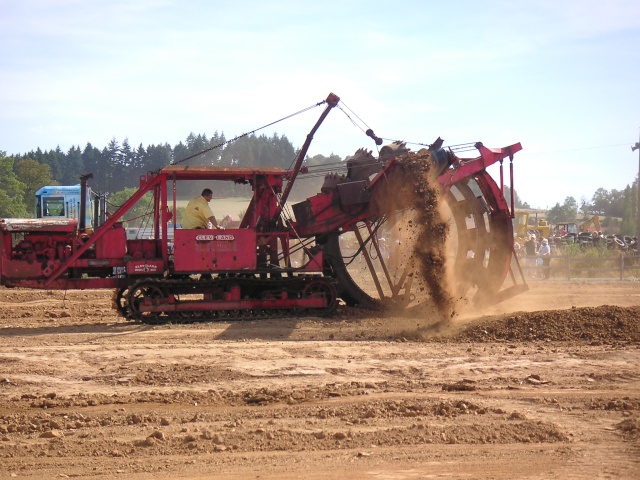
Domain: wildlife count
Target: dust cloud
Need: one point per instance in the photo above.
(427, 231)
(443, 299)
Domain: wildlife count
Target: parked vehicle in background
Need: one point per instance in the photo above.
(65, 201)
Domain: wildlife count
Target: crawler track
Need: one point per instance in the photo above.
(232, 297)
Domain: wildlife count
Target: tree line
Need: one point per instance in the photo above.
(619, 207)
(118, 167)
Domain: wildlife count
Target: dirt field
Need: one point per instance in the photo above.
(546, 385)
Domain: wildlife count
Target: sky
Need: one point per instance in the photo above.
(562, 77)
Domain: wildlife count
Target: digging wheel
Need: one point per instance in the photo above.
(374, 269)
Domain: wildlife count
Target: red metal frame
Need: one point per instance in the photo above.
(59, 254)
(261, 241)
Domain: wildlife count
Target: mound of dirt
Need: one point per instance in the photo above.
(603, 324)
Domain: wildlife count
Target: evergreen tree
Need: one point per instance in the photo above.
(92, 163)
(138, 165)
(628, 225)
(73, 167)
(158, 156)
(55, 159)
(111, 154)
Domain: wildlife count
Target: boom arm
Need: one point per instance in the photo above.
(332, 100)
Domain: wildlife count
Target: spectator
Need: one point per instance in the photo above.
(545, 254)
(517, 248)
(530, 249)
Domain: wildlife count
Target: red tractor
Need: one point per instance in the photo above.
(345, 237)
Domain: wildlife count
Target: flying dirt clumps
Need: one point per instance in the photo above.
(431, 230)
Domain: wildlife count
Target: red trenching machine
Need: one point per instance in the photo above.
(339, 246)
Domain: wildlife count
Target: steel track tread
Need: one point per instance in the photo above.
(168, 286)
